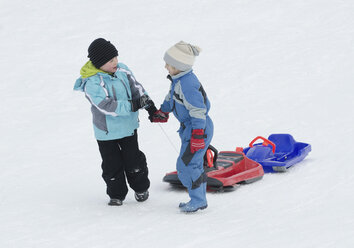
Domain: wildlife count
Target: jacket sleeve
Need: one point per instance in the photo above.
(192, 98)
(136, 88)
(165, 106)
(98, 96)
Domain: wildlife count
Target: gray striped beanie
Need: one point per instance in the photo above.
(182, 55)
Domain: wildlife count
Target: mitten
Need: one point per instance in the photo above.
(159, 116)
(197, 140)
(151, 109)
(140, 102)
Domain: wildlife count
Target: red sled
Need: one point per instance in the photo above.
(225, 170)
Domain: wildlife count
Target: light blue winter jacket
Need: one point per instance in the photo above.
(109, 96)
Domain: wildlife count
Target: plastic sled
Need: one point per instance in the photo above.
(224, 170)
(277, 153)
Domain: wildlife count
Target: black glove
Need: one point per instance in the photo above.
(141, 102)
(151, 110)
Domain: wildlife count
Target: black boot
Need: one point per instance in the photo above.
(143, 196)
(115, 202)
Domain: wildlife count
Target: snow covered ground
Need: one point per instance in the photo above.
(268, 66)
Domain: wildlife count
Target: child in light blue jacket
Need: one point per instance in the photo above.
(115, 97)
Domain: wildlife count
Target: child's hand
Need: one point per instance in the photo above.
(139, 103)
(159, 116)
(197, 140)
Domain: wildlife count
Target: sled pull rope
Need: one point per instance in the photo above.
(168, 138)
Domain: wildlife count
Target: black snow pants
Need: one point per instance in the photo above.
(122, 160)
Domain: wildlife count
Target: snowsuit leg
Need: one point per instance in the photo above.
(134, 160)
(190, 166)
(121, 159)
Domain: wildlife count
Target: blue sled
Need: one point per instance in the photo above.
(277, 153)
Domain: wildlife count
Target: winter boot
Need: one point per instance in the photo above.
(191, 208)
(182, 204)
(143, 196)
(115, 202)
(198, 200)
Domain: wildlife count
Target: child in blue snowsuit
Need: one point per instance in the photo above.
(115, 98)
(190, 105)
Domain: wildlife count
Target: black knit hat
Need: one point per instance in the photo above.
(101, 51)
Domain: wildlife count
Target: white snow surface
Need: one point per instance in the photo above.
(268, 66)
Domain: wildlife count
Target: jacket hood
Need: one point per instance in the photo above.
(89, 70)
(86, 71)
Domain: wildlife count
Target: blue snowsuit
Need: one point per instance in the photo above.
(190, 105)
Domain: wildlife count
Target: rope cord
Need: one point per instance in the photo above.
(168, 138)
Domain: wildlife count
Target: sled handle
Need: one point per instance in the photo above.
(266, 142)
(210, 157)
